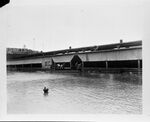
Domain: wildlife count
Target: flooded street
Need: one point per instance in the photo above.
(73, 93)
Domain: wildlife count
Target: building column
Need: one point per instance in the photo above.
(70, 65)
(106, 70)
(82, 66)
(106, 64)
(138, 64)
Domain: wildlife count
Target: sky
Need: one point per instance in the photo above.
(49, 25)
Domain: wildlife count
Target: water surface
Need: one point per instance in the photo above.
(73, 93)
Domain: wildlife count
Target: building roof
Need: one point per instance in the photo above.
(98, 48)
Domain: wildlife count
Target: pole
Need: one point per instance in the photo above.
(106, 64)
(70, 65)
(138, 64)
(82, 66)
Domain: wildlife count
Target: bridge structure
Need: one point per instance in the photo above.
(121, 57)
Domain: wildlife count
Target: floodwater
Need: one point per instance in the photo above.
(73, 93)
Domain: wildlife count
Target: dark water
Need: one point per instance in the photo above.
(74, 93)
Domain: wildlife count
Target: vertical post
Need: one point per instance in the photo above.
(138, 66)
(82, 66)
(106, 66)
(70, 65)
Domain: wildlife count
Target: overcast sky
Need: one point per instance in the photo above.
(57, 24)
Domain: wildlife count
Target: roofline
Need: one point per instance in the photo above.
(89, 48)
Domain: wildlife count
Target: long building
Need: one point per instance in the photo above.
(120, 57)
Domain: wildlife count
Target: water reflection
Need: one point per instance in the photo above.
(45, 94)
(74, 93)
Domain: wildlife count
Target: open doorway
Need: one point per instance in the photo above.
(76, 62)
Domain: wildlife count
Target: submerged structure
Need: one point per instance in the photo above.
(118, 57)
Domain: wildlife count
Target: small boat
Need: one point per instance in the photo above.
(45, 90)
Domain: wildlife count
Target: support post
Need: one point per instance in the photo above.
(106, 64)
(70, 65)
(82, 66)
(106, 67)
(139, 64)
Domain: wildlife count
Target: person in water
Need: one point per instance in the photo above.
(45, 90)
